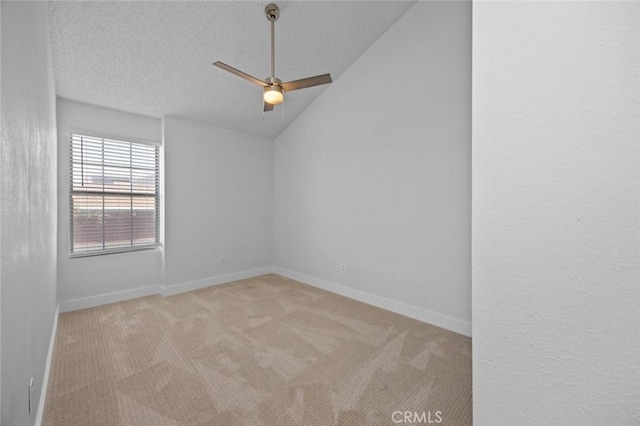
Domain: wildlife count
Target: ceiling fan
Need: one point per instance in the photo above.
(274, 88)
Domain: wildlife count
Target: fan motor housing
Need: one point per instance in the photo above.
(273, 81)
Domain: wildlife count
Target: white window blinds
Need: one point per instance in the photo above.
(114, 195)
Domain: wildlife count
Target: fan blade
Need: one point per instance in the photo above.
(306, 82)
(268, 107)
(239, 73)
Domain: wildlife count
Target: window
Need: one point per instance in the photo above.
(113, 196)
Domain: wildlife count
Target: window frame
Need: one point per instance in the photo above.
(156, 195)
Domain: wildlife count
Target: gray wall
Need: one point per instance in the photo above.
(376, 172)
(218, 186)
(556, 294)
(216, 198)
(84, 277)
(28, 206)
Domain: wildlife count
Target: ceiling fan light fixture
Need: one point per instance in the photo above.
(273, 95)
(274, 88)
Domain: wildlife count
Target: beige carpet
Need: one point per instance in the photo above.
(266, 350)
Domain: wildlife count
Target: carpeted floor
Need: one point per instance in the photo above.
(266, 350)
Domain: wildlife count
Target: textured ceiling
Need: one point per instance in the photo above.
(155, 58)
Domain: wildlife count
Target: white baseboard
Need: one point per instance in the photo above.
(164, 291)
(47, 368)
(220, 279)
(421, 314)
(103, 299)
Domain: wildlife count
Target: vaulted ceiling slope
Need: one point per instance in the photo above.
(155, 58)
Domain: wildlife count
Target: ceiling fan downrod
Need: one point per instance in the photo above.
(273, 13)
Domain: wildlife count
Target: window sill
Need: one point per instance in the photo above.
(114, 251)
